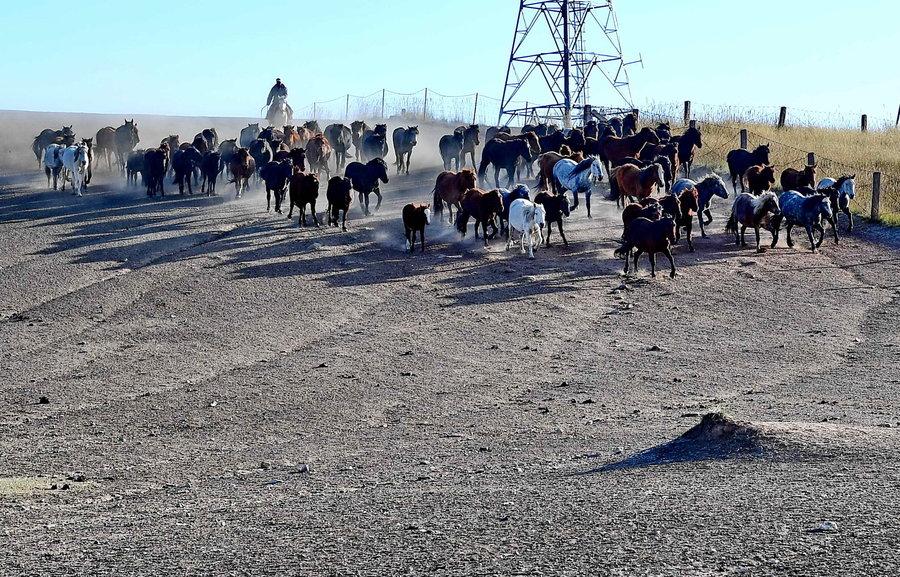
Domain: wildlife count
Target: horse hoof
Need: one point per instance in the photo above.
(761, 250)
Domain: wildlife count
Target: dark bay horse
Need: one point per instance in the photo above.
(341, 139)
(126, 139)
(739, 160)
(650, 236)
(503, 155)
(484, 207)
(374, 143)
(357, 129)
(449, 187)
(65, 137)
(614, 148)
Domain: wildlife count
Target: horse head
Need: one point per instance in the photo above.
(473, 132)
(412, 135)
(648, 135)
(761, 153)
(768, 172)
(715, 182)
(847, 185)
(380, 129)
(823, 206)
(380, 169)
(597, 171)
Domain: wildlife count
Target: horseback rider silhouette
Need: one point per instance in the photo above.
(279, 89)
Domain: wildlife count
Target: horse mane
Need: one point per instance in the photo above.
(759, 202)
(582, 166)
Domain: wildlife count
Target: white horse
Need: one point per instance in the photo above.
(578, 177)
(279, 113)
(840, 192)
(528, 219)
(53, 163)
(76, 163)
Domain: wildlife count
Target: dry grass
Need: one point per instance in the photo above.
(838, 151)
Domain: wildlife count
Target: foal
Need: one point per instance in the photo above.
(415, 218)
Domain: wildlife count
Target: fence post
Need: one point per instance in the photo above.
(425, 105)
(475, 110)
(897, 122)
(382, 103)
(876, 196)
(347, 108)
(744, 138)
(811, 159)
(782, 116)
(864, 123)
(687, 111)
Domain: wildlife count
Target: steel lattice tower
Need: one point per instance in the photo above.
(567, 43)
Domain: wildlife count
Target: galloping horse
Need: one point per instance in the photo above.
(64, 136)
(451, 147)
(840, 192)
(689, 142)
(106, 144)
(739, 160)
(471, 139)
(249, 134)
(750, 210)
(405, 139)
(808, 212)
(712, 185)
(76, 163)
(578, 177)
(340, 138)
(374, 143)
(450, 188)
(126, 139)
(53, 163)
(357, 129)
(631, 181)
(365, 179)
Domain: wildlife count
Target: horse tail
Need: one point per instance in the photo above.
(482, 168)
(437, 203)
(731, 225)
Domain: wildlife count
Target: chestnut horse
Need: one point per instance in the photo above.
(632, 181)
(449, 188)
(484, 207)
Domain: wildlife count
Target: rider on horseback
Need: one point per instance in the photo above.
(278, 89)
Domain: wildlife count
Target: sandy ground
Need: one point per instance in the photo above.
(228, 394)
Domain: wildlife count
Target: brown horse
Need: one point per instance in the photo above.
(291, 135)
(242, 168)
(688, 144)
(647, 208)
(689, 205)
(760, 178)
(484, 207)
(106, 144)
(793, 179)
(450, 187)
(650, 236)
(318, 154)
(613, 148)
(632, 181)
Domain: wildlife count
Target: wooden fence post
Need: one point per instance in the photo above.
(811, 159)
(782, 116)
(475, 109)
(864, 123)
(744, 138)
(425, 105)
(382, 103)
(687, 111)
(876, 196)
(897, 123)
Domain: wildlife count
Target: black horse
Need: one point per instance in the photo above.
(365, 179)
(451, 147)
(405, 139)
(261, 152)
(556, 207)
(276, 176)
(689, 142)
(503, 155)
(126, 139)
(739, 160)
(184, 163)
(210, 167)
(374, 143)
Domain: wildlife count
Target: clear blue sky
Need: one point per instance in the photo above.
(220, 58)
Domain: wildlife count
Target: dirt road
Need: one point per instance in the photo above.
(230, 395)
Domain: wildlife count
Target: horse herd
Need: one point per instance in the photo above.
(642, 166)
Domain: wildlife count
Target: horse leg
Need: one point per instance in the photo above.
(790, 241)
(637, 255)
(702, 227)
(559, 225)
(756, 230)
(410, 239)
(849, 218)
(834, 223)
(550, 230)
(587, 203)
(668, 253)
(496, 176)
(312, 209)
(687, 229)
(813, 245)
(343, 222)
(652, 256)
(268, 199)
(743, 240)
(378, 194)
